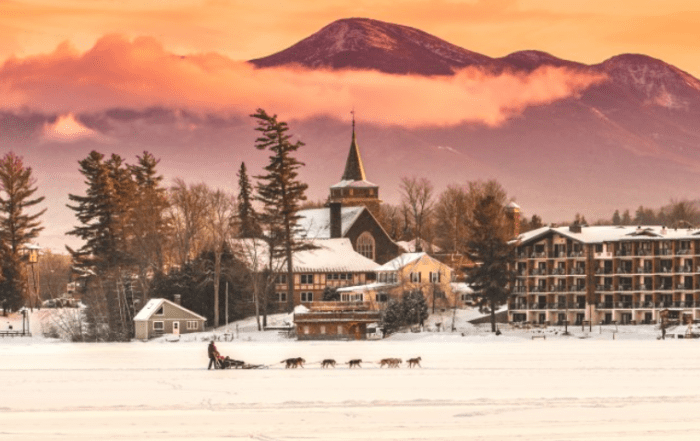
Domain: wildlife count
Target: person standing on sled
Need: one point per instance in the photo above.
(213, 355)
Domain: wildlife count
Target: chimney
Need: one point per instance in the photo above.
(176, 299)
(575, 227)
(336, 222)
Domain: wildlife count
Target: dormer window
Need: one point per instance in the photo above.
(160, 311)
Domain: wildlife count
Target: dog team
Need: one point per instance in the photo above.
(293, 363)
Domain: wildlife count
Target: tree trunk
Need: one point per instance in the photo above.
(493, 315)
(256, 298)
(217, 275)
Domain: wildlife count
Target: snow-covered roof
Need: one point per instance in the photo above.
(364, 288)
(612, 233)
(399, 262)
(354, 184)
(328, 255)
(315, 223)
(410, 246)
(154, 305)
(461, 288)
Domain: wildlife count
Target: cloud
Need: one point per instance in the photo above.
(141, 74)
(66, 129)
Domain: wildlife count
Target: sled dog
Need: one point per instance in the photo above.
(293, 362)
(414, 362)
(328, 362)
(354, 363)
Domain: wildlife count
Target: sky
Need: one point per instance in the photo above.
(77, 73)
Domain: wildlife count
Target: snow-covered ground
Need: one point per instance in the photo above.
(478, 386)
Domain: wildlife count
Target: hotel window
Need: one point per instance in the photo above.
(307, 297)
(307, 279)
(365, 245)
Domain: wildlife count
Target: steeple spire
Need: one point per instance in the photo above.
(354, 170)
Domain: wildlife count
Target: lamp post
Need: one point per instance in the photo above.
(32, 259)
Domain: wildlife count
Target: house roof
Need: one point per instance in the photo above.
(154, 305)
(354, 184)
(611, 233)
(329, 255)
(401, 261)
(315, 223)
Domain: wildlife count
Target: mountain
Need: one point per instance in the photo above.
(631, 140)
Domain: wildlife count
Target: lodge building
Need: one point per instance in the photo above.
(607, 274)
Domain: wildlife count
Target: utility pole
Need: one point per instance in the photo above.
(226, 305)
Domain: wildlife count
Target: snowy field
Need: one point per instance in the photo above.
(477, 386)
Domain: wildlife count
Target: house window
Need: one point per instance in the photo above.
(323, 329)
(415, 277)
(352, 297)
(281, 296)
(465, 297)
(365, 245)
(307, 279)
(340, 329)
(192, 324)
(306, 330)
(393, 278)
(281, 279)
(159, 327)
(307, 297)
(159, 312)
(343, 276)
(434, 277)
(382, 297)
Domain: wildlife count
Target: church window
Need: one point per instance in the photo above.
(365, 245)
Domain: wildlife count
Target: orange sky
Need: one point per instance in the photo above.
(582, 30)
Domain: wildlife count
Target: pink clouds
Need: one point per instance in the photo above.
(138, 74)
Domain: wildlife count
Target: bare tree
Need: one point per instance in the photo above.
(54, 273)
(219, 224)
(450, 212)
(186, 216)
(417, 198)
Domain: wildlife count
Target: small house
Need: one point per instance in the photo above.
(335, 321)
(161, 316)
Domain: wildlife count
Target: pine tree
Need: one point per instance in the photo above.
(488, 246)
(248, 226)
(279, 190)
(149, 228)
(17, 228)
(106, 216)
(616, 219)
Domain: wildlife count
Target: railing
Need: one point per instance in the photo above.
(559, 271)
(644, 270)
(625, 288)
(576, 254)
(575, 288)
(603, 287)
(643, 287)
(575, 271)
(606, 305)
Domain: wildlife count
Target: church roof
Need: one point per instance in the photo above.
(354, 170)
(354, 184)
(315, 223)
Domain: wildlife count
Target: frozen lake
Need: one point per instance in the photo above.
(468, 388)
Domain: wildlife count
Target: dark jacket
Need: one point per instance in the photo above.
(213, 352)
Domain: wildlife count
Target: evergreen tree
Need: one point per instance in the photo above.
(626, 218)
(149, 229)
(279, 190)
(102, 213)
(488, 246)
(248, 226)
(616, 220)
(17, 228)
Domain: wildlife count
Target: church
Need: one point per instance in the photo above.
(353, 207)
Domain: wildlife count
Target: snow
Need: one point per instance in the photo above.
(472, 385)
(401, 261)
(599, 234)
(315, 223)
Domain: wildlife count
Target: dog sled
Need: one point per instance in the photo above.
(230, 363)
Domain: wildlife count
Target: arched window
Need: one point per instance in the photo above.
(365, 245)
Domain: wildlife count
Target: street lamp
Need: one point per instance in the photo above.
(32, 259)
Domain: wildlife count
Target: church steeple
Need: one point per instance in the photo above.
(354, 170)
(354, 189)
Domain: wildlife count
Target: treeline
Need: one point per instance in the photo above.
(681, 213)
(435, 221)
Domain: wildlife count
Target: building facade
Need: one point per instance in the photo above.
(606, 274)
(161, 316)
(408, 272)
